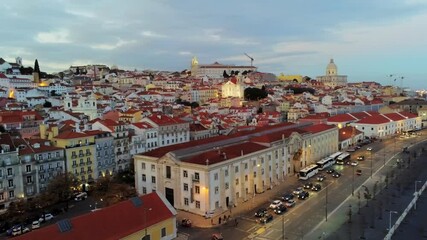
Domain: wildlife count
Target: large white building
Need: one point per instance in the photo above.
(214, 174)
(216, 70)
(332, 78)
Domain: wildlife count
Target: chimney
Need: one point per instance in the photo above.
(42, 128)
(241, 152)
(55, 131)
(225, 155)
(77, 127)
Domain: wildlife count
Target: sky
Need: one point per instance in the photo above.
(369, 40)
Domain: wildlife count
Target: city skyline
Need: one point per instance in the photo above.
(368, 40)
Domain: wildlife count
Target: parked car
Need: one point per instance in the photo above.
(267, 218)
(303, 195)
(308, 185)
(290, 203)
(351, 150)
(280, 209)
(35, 224)
(316, 187)
(336, 174)
(354, 163)
(261, 212)
(275, 204)
(287, 196)
(217, 236)
(186, 222)
(320, 178)
(360, 158)
(358, 172)
(369, 149)
(330, 170)
(80, 196)
(298, 190)
(46, 217)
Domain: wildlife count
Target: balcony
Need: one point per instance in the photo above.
(81, 164)
(82, 172)
(59, 168)
(81, 155)
(194, 179)
(11, 187)
(50, 169)
(89, 162)
(74, 165)
(88, 153)
(42, 171)
(29, 173)
(42, 180)
(73, 156)
(30, 183)
(10, 176)
(89, 171)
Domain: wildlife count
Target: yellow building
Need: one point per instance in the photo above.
(79, 153)
(131, 116)
(290, 78)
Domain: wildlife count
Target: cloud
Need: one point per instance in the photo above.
(185, 53)
(118, 44)
(58, 36)
(151, 34)
(218, 35)
(80, 13)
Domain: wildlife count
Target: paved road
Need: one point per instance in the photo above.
(308, 219)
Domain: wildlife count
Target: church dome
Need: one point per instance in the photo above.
(331, 69)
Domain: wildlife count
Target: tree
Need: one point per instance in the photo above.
(113, 189)
(259, 110)
(2, 129)
(225, 75)
(36, 67)
(254, 94)
(60, 188)
(47, 104)
(195, 105)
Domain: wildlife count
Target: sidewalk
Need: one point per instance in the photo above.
(242, 209)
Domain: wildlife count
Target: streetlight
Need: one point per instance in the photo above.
(326, 204)
(371, 162)
(416, 194)
(145, 221)
(389, 223)
(352, 183)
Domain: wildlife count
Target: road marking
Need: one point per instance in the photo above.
(261, 230)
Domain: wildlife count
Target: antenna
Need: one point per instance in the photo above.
(251, 58)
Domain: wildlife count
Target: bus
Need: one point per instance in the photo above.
(325, 163)
(341, 158)
(335, 155)
(308, 172)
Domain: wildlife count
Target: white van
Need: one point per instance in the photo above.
(81, 196)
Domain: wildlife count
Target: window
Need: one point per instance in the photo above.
(246, 178)
(143, 166)
(236, 169)
(254, 174)
(10, 183)
(237, 181)
(144, 178)
(246, 165)
(197, 189)
(29, 179)
(216, 176)
(153, 179)
(11, 194)
(9, 171)
(144, 190)
(186, 202)
(196, 176)
(198, 204)
(185, 186)
(153, 167)
(28, 168)
(227, 186)
(226, 172)
(185, 174)
(163, 232)
(168, 172)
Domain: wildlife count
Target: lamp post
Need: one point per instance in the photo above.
(371, 162)
(145, 221)
(352, 183)
(416, 194)
(389, 223)
(326, 205)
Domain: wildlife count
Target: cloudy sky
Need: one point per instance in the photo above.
(368, 39)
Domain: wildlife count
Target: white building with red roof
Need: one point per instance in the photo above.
(384, 125)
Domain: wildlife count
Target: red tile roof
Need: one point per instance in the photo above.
(342, 118)
(223, 154)
(114, 222)
(70, 135)
(163, 120)
(375, 119)
(318, 128)
(347, 132)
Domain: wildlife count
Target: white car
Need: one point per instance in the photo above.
(354, 163)
(35, 225)
(369, 149)
(275, 204)
(47, 216)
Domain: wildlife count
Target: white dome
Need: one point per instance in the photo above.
(331, 69)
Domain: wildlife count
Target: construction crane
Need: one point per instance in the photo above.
(251, 58)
